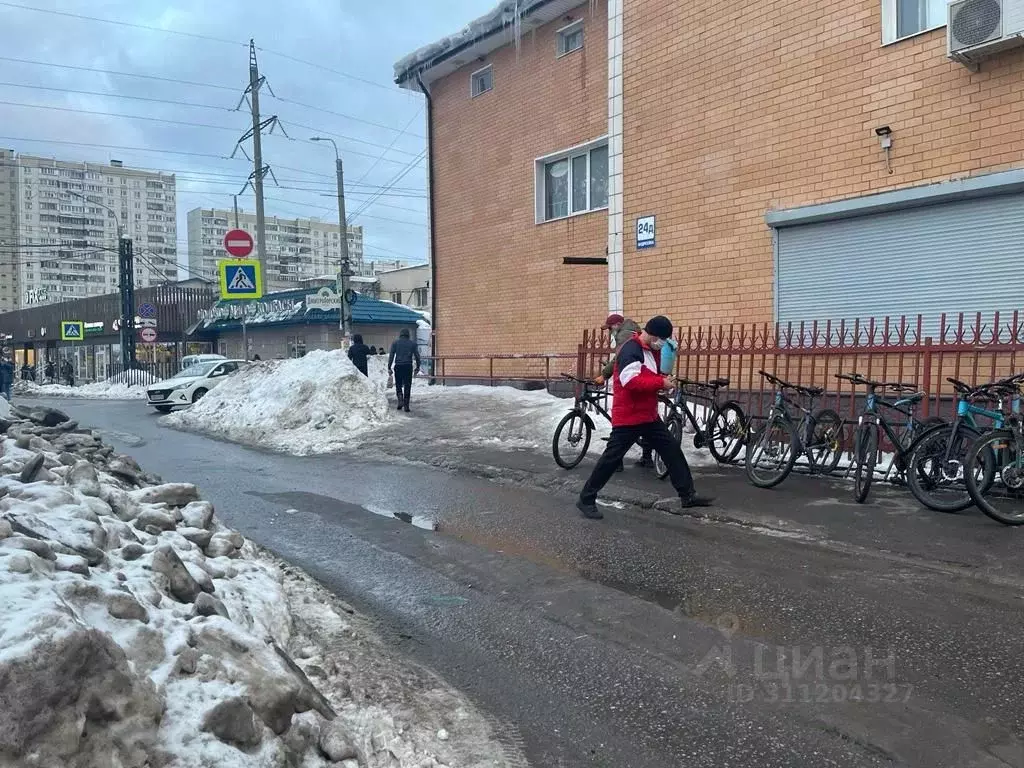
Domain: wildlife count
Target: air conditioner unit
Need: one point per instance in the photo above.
(976, 29)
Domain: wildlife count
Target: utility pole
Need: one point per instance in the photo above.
(235, 198)
(345, 272)
(126, 273)
(252, 91)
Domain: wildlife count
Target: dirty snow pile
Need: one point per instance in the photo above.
(130, 385)
(313, 404)
(139, 631)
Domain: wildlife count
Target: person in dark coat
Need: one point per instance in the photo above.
(7, 374)
(68, 372)
(50, 372)
(403, 355)
(358, 353)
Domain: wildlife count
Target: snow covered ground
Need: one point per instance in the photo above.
(120, 387)
(321, 404)
(139, 631)
(313, 404)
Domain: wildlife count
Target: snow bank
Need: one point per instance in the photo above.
(130, 385)
(5, 409)
(139, 631)
(313, 404)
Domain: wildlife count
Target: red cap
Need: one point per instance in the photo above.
(614, 319)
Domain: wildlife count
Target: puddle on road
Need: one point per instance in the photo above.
(419, 521)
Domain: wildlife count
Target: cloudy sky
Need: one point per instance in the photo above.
(65, 82)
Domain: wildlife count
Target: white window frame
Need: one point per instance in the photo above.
(472, 81)
(541, 163)
(890, 24)
(564, 32)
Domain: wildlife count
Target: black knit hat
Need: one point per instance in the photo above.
(660, 327)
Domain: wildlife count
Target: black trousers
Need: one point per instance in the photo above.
(657, 437)
(403, 383)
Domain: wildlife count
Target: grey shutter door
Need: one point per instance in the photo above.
(963, 256)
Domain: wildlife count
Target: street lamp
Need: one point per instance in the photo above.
(126, 286)
(346, 268)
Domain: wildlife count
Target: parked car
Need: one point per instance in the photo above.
(189, 360)
(190, 385)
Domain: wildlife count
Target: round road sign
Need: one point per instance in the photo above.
(148, 334)
(238, 243)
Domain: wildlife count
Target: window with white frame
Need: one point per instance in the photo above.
(572, 182)
(570, 38)
(481, 81)
(905, 18)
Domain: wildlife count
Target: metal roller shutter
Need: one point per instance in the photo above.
(953, 257)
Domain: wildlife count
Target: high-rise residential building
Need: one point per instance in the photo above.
(297, 249)
(59, 224)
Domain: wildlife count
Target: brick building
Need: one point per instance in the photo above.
(754, 134)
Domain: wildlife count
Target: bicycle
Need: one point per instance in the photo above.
(1001, 453)
(818, 435)
(872, 420)
(589, 395)
(722, 432)
(936, 463)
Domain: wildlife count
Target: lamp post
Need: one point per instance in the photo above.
(126, 285)
(345, 309)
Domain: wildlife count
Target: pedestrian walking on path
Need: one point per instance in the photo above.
(635, 385)
(358, 353)
(622, 329)
(7, 374)
(404, 354)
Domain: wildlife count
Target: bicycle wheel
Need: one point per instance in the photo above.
(675, 428)
(772, 455)
(577, 432)
(726, 432)
(865, 454)
(935, 469)
(997, 455)
(826, 446)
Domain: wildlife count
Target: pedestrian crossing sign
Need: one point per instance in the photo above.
(72, 330)
(240, 279)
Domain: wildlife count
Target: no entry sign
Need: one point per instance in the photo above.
(148, 335)
(238, 243)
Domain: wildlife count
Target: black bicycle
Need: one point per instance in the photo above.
(938, 458)
(577, 427)
(722, 430)
(872, 420)
(816, 434)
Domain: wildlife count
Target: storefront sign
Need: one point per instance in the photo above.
(253, 311)
(94, 329)
(325, 299)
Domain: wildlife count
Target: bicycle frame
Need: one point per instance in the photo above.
(805, 426)
(900, 443)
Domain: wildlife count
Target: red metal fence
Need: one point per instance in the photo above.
(973, 348)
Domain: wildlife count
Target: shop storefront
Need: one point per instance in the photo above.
(33, 338)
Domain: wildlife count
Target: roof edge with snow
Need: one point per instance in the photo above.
(503, 25)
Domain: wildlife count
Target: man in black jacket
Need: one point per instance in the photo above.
(358, 353)
(400, 362)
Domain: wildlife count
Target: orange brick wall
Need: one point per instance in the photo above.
(501, 285)
(731, 109)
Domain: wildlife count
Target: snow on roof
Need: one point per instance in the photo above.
(478, 38)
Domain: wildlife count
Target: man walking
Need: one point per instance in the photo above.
(635, 386)
(358, 354)
(400, 362)
(622, 329)
(6, 377)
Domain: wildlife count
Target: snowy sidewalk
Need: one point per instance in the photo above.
(139, 631)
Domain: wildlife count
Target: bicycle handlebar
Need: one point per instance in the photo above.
(584, 382)
(808, 391)
(895, 386)
(1008, 385)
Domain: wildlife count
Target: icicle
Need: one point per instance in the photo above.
(517, 29)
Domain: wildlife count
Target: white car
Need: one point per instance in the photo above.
(190, 385)
(189, 360)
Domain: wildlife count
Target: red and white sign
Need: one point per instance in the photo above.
(148, 335)
(238, 243)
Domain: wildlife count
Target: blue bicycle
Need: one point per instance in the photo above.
(935, 471)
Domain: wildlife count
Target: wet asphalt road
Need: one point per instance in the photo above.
(791, 628)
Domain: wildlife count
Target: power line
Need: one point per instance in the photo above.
(390, 146)
(395, 179)
(102, 113)
(118, 73)
(342, 114)
(196, 36)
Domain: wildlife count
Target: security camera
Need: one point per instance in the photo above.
(885, 130)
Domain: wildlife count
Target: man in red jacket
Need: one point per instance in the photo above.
(635, 388)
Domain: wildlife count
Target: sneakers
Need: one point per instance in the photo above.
(589, 510)
(691, 501)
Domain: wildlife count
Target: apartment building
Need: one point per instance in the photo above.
(808, 161)
(59, 224)
(406, 285)
(297, 249)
